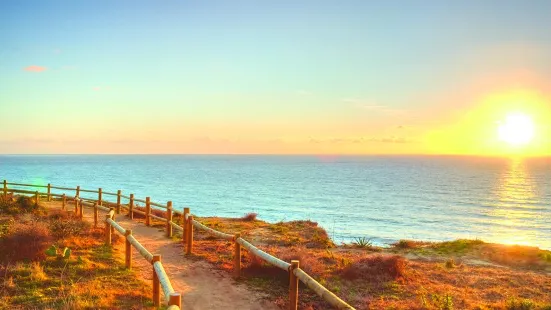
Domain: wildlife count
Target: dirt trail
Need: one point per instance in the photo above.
(202, 286)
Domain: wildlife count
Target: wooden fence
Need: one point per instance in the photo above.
(160, 278)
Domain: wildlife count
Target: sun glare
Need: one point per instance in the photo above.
(517, 129)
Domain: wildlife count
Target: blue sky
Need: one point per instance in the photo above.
(289, 71)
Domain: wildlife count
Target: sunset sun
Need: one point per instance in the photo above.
(517, 129)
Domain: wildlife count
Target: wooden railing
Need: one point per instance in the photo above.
(160, 278)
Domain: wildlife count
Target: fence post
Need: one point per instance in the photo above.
(95, 215)
(237, 257)
(81, 211)
(293, 286)
(156, 283)
(131, 207)
(128, 249)
(49, 192)
(175, 299)
(37, 197)
(99, 197)
(113, 218)
(63, 201)
(119, 192)
(76, 206)
(107, 231)
(5, 188)
(77, 191)
(190, 234)
(169, 219)
(147, 211)
(184, 226)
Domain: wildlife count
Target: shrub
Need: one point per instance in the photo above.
(450, 263)
(407, 244)
(514, 304)
(25, 241)
(383, 267)
(249, 217)
(64, 225)
(17, 205)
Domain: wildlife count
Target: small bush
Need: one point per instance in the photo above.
(379, 266)
(17, 205)
(25, 241)
(407, 244)
(67, 225)
(249, 217)
(450, 263)
(525, 304)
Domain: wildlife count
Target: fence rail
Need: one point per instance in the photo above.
(160, 278)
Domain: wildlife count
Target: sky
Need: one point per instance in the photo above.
(274, 77)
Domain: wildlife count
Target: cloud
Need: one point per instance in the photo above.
(361, 140)
(35, 68)
(366, 105)
(392, 139)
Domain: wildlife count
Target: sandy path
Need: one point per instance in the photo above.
(202, 286)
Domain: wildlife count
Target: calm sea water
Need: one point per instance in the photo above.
(384, 198)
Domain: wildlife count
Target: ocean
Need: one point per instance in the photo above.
(386, 198)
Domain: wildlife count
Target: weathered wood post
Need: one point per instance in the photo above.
(175, 299)
(119, 192)
(37, 197)
(5, 188)
(184, 225)
(63, 201)
(99, 197)
(76, 206)
(77, 192)
(147, 211)
(131, 207)
(237, 256)
(81, 209)
(190, 235)
(169, 219)
(107, 230)
(49, 192)
(96, 215)
(293, 286)
(128, 249)
(156, 282)
(112, 212)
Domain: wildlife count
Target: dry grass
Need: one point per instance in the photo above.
(441, 277)
(92, 278)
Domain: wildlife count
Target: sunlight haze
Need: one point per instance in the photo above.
(310, 77)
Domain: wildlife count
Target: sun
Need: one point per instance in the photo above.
(517, 129)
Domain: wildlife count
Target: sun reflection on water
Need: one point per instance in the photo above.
(515, 191)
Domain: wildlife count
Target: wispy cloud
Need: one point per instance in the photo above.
(371, 106)
(360, 140)
(35, 68)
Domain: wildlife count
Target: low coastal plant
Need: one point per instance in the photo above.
(249, 217)
(363, 242)
(450, 263)
(382, 267)
(515, 304)
(25, 240)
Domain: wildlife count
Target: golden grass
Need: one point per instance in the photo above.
(461, 274)
(92, 278)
